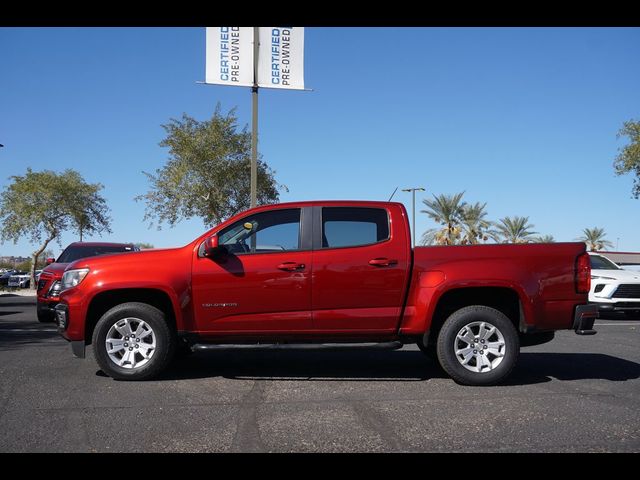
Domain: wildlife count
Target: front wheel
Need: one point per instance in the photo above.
(478, 345)
(132, 341)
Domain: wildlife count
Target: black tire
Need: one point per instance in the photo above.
(161, 356)
(493, 368)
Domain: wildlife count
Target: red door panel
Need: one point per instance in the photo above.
(349, 293)
(253, 293)
(360, 288)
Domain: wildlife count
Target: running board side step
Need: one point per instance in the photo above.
(300, 346)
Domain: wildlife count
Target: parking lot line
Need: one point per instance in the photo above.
(616, 324)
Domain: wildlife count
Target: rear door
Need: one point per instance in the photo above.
(360, 268)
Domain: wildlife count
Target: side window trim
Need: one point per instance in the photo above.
(318, 229)
(306, 229)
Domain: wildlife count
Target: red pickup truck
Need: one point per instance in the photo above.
(325, 272)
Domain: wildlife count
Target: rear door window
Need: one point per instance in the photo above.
(353, 226)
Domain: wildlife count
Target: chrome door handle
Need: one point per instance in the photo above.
(291, 266)
(382, 262)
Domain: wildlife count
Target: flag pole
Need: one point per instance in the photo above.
(254, 120)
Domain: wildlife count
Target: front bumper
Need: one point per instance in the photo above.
(46, 308)
(61, 312)
(78, 347)
(584, 318)
(618, 306)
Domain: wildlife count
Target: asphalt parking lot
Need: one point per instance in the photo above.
(575, 394)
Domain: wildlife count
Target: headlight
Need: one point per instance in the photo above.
(54, 291)
(596, 277)
(71, 278)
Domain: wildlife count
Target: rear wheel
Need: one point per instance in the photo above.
(132, 341)
(478, 345)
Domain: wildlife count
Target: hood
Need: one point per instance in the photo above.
(57, 269)
(122, 258)
(625, 275)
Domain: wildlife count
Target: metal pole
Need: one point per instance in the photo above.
(413, 220)
(254, 120)
(413, 207)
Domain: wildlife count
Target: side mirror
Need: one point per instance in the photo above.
(49, 261)
(212, 249)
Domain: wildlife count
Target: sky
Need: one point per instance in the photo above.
(524, 119)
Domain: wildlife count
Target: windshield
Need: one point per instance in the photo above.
(601, 263)
(71, 254)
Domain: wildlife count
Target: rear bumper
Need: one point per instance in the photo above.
(584, 318)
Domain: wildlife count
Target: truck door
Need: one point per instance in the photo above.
(263, 285)
(360, 268)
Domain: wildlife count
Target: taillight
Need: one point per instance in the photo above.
(583, 273)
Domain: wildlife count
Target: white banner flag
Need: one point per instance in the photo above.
(229, 56)
(281, 57)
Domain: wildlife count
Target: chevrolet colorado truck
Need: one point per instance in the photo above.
(332, 272)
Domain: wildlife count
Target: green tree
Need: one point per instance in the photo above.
(447, 211)
(544, 239)
(208, 172)
(515, 230)
(628, 160)
(595, 238)
(25, 266)
(475, 227)
(43, 205)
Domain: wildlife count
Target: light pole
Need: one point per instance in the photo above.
(413, 213)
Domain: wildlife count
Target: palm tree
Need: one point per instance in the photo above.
(515, 229)
(544, 239)
(595, 239)
(447, 211)
(475, 228)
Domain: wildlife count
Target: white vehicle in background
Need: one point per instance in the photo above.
(22, 279)
(615, 290)
(19, 280)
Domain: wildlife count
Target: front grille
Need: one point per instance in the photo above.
(627, 290)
